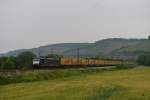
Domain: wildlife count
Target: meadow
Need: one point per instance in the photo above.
(77, 84)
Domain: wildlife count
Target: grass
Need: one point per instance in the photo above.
(31, 76)
(129, 84)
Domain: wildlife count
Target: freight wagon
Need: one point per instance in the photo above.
(72, 62)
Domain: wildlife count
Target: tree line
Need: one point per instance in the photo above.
(21, 61)
(144, 59)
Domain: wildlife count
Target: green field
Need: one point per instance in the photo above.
(128, 84)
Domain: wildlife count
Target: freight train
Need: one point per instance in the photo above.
(47, 62)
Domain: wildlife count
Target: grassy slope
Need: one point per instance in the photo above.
(105, 46)
(131, 84)
(143, 45)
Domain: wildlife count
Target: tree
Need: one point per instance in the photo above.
(144, 59)
(24, 60)
(8, 65)
(2, 60)
(13, 59)
(148, 37)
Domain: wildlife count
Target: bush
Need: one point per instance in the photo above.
(8, 65)
(127, 66)
(2, 60)
(30, 76)
(144, 59)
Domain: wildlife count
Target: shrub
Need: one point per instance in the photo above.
(2, 60)
(8, 65)
(144, 59)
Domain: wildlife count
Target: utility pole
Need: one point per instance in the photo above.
(39, 54)
(78, 55)
(52, 51)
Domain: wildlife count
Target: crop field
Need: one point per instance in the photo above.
(78, 84)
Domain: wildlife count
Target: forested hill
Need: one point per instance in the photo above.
(112, 48)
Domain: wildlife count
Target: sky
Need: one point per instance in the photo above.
(33, 23)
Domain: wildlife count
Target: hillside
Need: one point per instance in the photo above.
(111, 47)
(44, 50)
(114, 47)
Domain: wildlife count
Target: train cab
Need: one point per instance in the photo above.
(36, 62)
